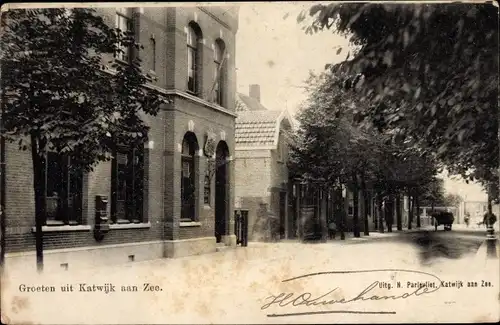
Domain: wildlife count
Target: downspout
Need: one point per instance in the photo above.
(2, 193)
(163, 187)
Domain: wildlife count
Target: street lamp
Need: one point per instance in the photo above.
(491, 241)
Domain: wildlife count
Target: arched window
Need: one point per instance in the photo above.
(219, 60)
(188, 183)
(193, 38)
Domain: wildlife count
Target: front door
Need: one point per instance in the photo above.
(282, 214)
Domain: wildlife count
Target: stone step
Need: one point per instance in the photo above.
(222, 248)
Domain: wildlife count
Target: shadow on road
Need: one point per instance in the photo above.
(435, 245)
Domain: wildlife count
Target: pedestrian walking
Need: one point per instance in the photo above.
(273, 225)
(489, 219)
(467, 219)
(332, 230)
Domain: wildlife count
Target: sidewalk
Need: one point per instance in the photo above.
(231, 287)
(482, 256)
(474, 227)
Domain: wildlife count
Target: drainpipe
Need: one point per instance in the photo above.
(2, 194)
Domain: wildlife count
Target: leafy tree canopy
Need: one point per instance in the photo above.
(330, 148)
(427, 72)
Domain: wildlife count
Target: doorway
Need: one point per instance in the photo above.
(282, 215)
(221, 191)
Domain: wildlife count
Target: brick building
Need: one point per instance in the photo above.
(164, 200)
(261, 183)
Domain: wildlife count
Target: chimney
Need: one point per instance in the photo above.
(255, 92)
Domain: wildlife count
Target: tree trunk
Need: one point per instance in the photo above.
(432, 212)
(339, 212)
(323, 215)
(365, 205)
(417, 204)
(39, 187)
(389, 212)
(399, 220)
(381, 214)
(490, 198)
(355, 210)
(342, 217)
(410, 211)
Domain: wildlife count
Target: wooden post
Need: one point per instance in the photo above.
(417, 201)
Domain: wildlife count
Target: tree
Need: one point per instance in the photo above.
(452, 200)
(58, 97)
(330, 148)
(428, 72)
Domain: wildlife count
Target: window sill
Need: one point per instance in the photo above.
(183, 224)
(192, 93)
(130, 226)
(63, 228)
(122, 62)
(207, 207)
(150, 76)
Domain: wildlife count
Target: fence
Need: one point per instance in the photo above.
(241, 227)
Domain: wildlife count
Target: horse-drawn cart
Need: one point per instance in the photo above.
(443, 218)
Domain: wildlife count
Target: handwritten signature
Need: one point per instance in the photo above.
(284, 299)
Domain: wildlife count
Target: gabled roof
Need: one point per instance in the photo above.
(247, 103)
(256, 126)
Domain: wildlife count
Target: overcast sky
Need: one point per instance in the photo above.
(276, 54)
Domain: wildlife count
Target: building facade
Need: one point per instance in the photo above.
(167, 198)
(261, 183)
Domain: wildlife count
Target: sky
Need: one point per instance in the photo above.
(468, 192)
(277, 54)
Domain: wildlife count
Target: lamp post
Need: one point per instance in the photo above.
(491, 241)
(343, 212)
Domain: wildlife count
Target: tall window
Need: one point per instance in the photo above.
(153, 53)
(218, 73)
(188, 184)
(127, 184)
(63, 187)
(206, 190)
(123, 22)
(193, 37)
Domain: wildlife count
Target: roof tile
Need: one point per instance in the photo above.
(255, 125)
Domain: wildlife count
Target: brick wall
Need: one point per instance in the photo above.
(20, 198)
(213, 28)
(261, 176)
(162, 189)
(20, 206)
(201, 119)
(252, 184)
(279, 178)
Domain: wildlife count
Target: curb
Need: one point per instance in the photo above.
(481, 254)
